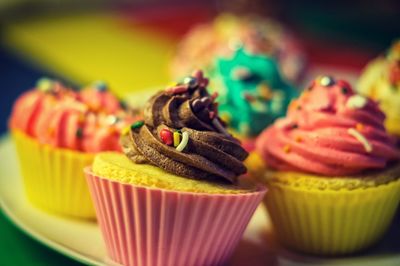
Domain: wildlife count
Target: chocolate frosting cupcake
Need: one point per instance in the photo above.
(182, 134)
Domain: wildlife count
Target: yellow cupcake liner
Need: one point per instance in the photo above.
(329, 222)
(53, 178)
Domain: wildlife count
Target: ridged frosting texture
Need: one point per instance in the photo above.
(182, 134)
(89, 120)
(330, 130)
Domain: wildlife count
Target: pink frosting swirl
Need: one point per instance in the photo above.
(90, 120)
(329, 130)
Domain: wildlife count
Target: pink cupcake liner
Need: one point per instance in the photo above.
(151, 226)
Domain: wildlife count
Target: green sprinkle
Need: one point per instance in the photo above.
(79, 133)
(44, 84)
(137, 124)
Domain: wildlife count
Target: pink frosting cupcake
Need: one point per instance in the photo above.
(57, 131)
(332, 169)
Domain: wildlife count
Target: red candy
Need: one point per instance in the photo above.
(167, 137)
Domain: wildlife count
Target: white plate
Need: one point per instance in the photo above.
(82, 241)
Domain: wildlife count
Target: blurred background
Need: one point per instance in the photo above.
(129, 45)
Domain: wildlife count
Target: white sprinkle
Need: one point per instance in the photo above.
(219, 127)
(356, 102)
(360, 137)
(184, 141)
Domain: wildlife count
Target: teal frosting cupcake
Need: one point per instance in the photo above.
(251, 91)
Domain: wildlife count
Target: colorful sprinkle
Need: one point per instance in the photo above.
(100, 86)
(326, 81)
(44, 84)
(240, 73)
(190, 81)
(265, 92)
(360, 137)
(125, 130)
(286, 148)
(177, 138)
(248, 97)
(299, 139)
(211, 114)
(214, 96)
(112, 119)
(345, 91)
(226, 117)
(166, 137)
(356, 102)
(79, 133)
(184, 142)
(137, 124)
(359, 127)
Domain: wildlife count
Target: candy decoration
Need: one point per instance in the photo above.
(359, 127)
(249, 97)
(177, 138)
(211, 114)
(137, 124)
(286, 148)
(166, 137)
(214, 96)
(44, 84)
(100, 86)
(79, 133)
(326, 81)
(240, 73)
(265, 91)
(190, 81)
(112, 119)
(356, 102)
(125, 130)
(360, 137)
(184, 142)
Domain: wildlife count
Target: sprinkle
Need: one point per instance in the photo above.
(177, 138)
(184, 141)
(137, 124)
(240, 73)
(360, 137)
(166, 137)
(81, 118)
(79, 133)
(345, 90)
(177, 89)
(286, 148)
(51, 131)
(112, 119)
(248, 97)
(100, 86)
(299, 139)
(211, 114)
(265, 91)
(125, 130)
(294, 126)
(190, 81)
(356, 102)
(225, 117)
(326, 81)
(359, 126)
(214, 96)
(44, 84)
(219, 127)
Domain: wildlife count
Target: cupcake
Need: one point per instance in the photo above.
(179, 195)
(57, 131)
(228, 32)
(380, 80)
(251, 93)
(332, 171)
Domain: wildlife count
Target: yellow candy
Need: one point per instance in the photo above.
(177, 138)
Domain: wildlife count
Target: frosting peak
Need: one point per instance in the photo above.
(330, 130)
(182, 133)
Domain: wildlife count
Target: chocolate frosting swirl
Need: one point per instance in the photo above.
(210, 153)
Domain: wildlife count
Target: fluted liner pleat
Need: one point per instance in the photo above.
(53, 178)
(331, 222)
(149, 226)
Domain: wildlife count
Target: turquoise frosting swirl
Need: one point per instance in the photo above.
(252, 92)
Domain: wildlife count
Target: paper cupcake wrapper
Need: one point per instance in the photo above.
(151, 226)
(53, 178)
(331, 222)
